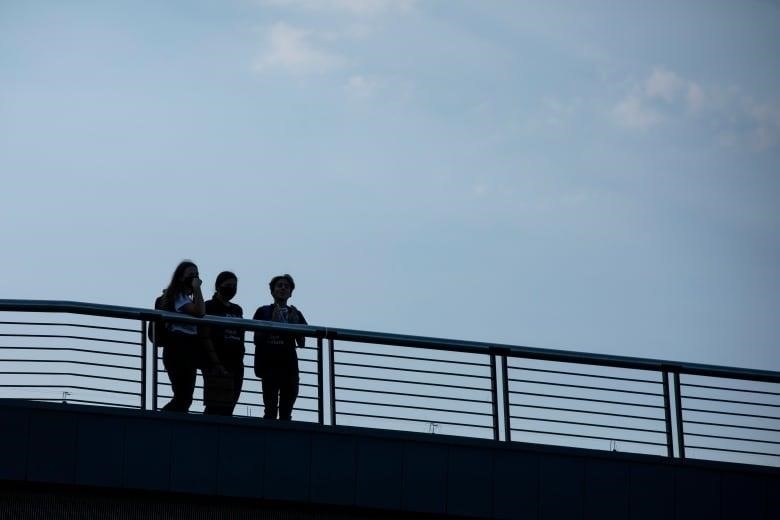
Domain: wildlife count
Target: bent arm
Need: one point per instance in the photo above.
(197, 307)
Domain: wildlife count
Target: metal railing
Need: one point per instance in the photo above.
(99, 355)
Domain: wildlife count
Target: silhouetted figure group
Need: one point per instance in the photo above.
(219, 351)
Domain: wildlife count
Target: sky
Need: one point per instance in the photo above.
(597, 176)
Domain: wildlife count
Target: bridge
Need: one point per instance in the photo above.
(386, 426)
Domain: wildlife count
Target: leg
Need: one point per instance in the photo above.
(288, 393)
(219, 402)
(270, 395)
(181, 372)
(234, 364)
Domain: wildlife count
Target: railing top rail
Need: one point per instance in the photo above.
(135, 313)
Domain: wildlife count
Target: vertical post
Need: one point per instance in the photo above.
(155, 360)
(320, 388)
(678, 409)
(332, 372)
(494, 395)
(507, 417)
(668, 414)
(144, 361)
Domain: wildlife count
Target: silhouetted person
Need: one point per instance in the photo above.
(184, 350)
(276, 361)
(228, 342)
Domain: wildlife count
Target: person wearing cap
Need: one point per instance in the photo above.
(276, 361)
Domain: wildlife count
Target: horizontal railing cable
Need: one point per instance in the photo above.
(413, 358)
(730, 401)
(582, 374)
(72, 387)
(388, 392)
(586, 387)
(580, 423)
(588, 399)
(592, 412)
(71, 362)
(730, 389)
(62, 336)
(585, 436)
(71, 349)
(735, 414)
(411, 407)
(426, 383)
(91, 376)
(411, 419)
(415, 370)
(78, 325)
(739, 426)
(731, 450)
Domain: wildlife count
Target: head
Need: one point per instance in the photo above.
(281, 287)
(226, 285)
(181, 280)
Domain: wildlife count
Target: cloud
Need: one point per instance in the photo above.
(661, 95)
(354, 7)
(631, 112)
(695, 97)
(666, 96)
(766, 124)
(291, 49)
(664, 84)
(361, 86)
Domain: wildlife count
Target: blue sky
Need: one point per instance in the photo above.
(598, 176)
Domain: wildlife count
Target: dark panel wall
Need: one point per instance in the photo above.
(358, 469)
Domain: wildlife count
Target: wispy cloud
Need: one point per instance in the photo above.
(766, 120)
(667, 96)
(362, 86)
(294, 50)
(664, 84)
(663, 91)
(633, 112)
(355, 7)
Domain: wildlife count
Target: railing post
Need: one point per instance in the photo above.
(144, 361)
(155, 360)
(494, 395)
(320, 386)
(668, 415)
(505, 389)
(332, 374)
(679, 412)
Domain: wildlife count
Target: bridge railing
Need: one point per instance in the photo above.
(99, 354)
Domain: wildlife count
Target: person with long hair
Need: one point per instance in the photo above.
(184, 350)
(228, 341)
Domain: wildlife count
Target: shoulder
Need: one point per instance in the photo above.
(236, 310)
(262, 313)
(211, 306)
(298, 312)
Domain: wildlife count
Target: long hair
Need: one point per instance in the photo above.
(176, 287)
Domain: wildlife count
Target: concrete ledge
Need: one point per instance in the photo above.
(302, 463)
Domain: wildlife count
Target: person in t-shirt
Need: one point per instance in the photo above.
(228, 342)
(276, 361)
(184, 351)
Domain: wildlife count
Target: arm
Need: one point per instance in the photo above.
(301, 340)
(198, 306)
(259, 336)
